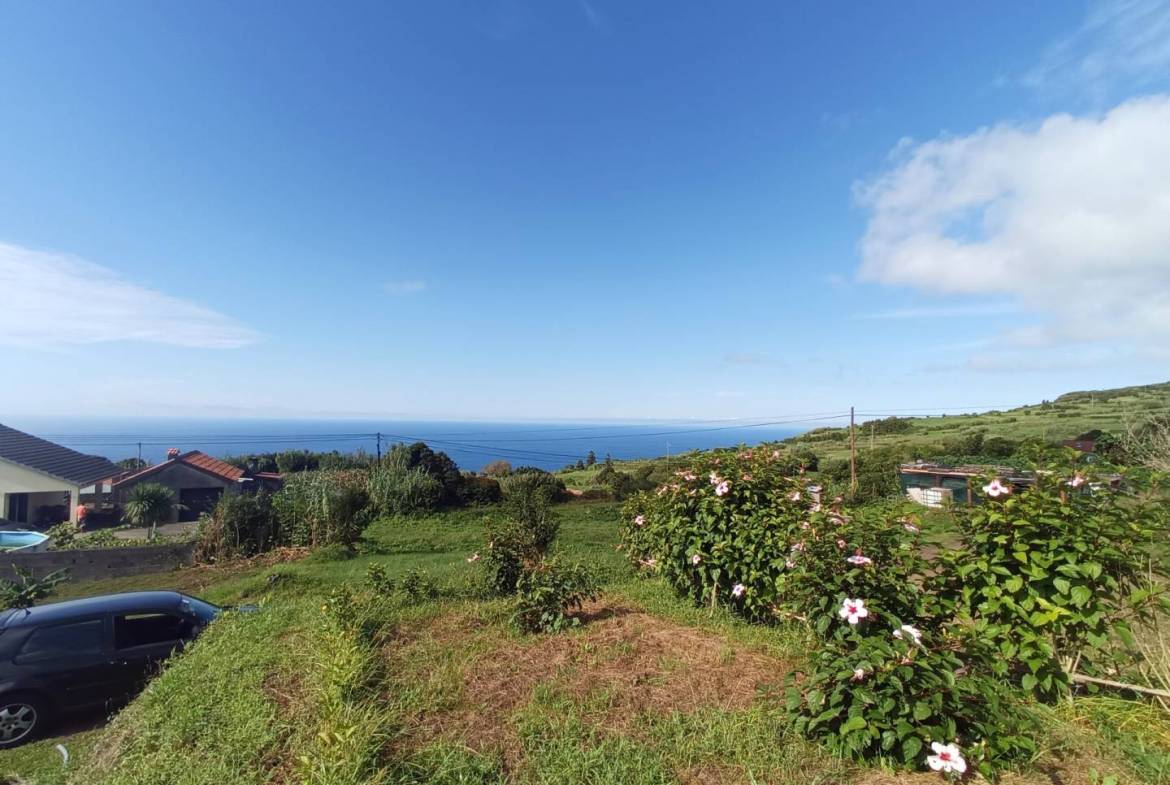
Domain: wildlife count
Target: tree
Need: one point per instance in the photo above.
(131, 464)
(591, 458)
(149, 505)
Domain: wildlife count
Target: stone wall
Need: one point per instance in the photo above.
(97, 563)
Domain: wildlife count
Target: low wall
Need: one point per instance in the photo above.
(95, 564)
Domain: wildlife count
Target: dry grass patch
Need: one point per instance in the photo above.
(623, 664)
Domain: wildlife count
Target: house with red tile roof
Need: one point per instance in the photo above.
(198, 480)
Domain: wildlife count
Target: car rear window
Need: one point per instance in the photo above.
(79, 637)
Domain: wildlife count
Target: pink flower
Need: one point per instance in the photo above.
(715, 478)
(1077, 481)
(859, 560)
(853, 611)
(911, 528)
(947, 758)
(858, 674)
(790, 564)
(738, 589)
(640, 520)
(912, 632)
(473, 558)
(722, 488)
(995, 489)
(794, 496)
(840, 543)
(804, 525)
(696, 559)
(798, 547)
(689, 477)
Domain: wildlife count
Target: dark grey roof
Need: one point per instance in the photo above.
(78, 468)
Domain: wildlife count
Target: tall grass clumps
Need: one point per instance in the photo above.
(286, 693)
(923, 662)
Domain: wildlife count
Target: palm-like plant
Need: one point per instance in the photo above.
(149, 505)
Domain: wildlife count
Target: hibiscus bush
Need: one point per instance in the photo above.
(721, 531)
(1054, 574)
(922, 662)
(908, 697)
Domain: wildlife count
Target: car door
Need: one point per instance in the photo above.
(70, 661)
(143, 639)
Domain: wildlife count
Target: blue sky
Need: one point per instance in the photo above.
(579, 209)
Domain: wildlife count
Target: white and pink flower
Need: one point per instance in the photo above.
(722, 488)
(789, 564)
(696, 559)
(858, 560)
(1077, 480)
(995, 489)
(853, 611)
(640, 520)
(947, 758)
(841, 544)
(794, 496)
(858, 674)
(911, 528)
(909, 631)
(738, 590)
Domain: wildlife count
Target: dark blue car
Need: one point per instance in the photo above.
(83, 654)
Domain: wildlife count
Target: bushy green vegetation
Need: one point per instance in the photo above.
(914, 655)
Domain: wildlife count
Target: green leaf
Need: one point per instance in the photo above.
(922, 710)
(910, 748)
(853, 723)
(1062, 585)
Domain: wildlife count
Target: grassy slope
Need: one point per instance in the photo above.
(247, 701)
(1065, 418)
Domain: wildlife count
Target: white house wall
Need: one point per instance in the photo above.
(15, 478)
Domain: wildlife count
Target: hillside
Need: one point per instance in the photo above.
(1066, 417)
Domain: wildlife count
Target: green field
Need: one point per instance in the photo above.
(1065, 418)
(648, 690)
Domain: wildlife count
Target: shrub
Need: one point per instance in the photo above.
(530, 483)
(149, 505)
(479, 490)
(517, 542)
(437, 465)
(875, 696)
(722, 531)
(1052, 573)
(396, 490)
(498, 468)
(63, 534)
(548, 592)
(417, 585)
(239, 525)
(26, 590)
(322, 507)
(379, 580)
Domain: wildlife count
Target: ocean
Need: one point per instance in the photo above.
(549, 445)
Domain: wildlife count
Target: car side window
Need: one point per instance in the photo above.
(145, 629)
(63, 640)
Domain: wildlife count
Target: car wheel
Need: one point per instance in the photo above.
(21, 716)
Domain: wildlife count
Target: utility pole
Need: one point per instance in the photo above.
(140, 453)
(871, 422)
(852, 453)
(379, 438)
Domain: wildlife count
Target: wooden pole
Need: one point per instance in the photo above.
(1080, 678)
(852, 453)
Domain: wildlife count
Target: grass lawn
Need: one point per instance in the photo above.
(649, 689)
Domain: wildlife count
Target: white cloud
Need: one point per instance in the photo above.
(1125, 40)
(51, 299)
(405, 287)
(1069, 218)
(943, 311)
